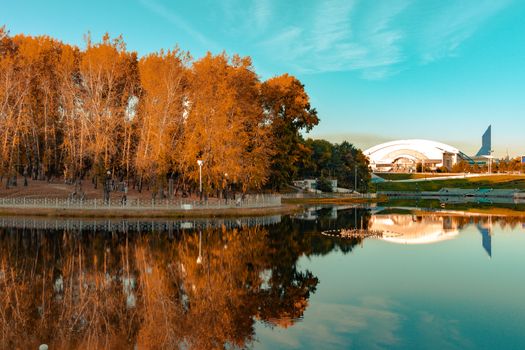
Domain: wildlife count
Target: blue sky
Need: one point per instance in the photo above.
(376, 70)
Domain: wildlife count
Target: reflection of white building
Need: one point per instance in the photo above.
(410, 229)
(312, 213)
(404, 155)
(310, 185)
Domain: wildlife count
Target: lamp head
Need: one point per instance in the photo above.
(199, 162)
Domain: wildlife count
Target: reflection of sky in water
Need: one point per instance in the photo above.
(448, 295)
(396, 293)
(369, 323)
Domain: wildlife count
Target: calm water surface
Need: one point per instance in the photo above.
(438, 280)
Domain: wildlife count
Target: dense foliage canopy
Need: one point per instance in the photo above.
(72, 113)
(343, 162)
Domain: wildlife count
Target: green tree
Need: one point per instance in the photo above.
(324, 184)
(287, 106)
(340, 161)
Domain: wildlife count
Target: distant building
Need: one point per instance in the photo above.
(484, 155)
(486, 143)
(406, 155)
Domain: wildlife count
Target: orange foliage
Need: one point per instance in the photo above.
(74, 113)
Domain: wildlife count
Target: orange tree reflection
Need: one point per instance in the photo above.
(74, 289)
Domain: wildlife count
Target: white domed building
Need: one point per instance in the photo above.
(405, 155)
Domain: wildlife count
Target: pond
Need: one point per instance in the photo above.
(436, 279)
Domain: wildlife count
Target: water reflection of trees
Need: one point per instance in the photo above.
(307, 232)
(115, 290)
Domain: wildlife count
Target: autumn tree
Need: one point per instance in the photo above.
(109, 82)
(38, 60)
(8, 83)
(288, 108)
(14, 95)
(75, 127)
(254, 138)
(163, 78)
(225, 125)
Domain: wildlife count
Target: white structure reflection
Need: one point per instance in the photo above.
(411, 229)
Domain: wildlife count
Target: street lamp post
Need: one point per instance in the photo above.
(107, 187)
(199, 162)
(355, 177)
(490, 161)
(489, 157)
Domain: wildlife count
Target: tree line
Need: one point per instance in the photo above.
(344, 162)
(508, 165)
(78, 114)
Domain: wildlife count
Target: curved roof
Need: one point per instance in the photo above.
(415, 149)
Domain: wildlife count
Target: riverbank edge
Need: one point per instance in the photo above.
(283, 209)
(334, 200)
(289, 206)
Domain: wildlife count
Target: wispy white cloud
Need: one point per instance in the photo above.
(377, 39)
(334, 43)
(262, 11)
(287, 36)
(164, 12)
(454, 23)
(332, 24)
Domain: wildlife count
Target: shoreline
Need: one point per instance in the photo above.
(287, 206)
(283, 209)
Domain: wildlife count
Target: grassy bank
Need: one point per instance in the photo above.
(333, 201)
(407, 176)
(489, 181)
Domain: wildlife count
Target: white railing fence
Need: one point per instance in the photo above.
(248, 201)
(301, 195)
